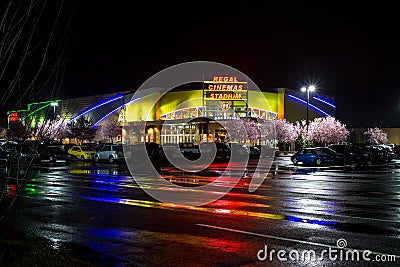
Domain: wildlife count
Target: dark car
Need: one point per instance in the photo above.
(339, 158)
(154, 150)
(396, 151)
(54, 153)
(4, 156)
(216, 150)
(312, 156)
(91, 145)
(223, 150)
(136, 151)
(389, 152)
(353, 154)
(190, 150)
(254, 152)
(22, 153)
(379, 155)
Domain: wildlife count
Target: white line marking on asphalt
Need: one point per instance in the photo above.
(287, 239)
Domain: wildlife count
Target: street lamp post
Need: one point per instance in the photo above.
(54, 105)
(309, 89)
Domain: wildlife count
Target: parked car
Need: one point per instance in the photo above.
(396, 150)
(68, 146)
(54, 152)
(389, 152)
(223, 149)
(92, 145)
(153, 150)
(190, 150)
(173, 150)
(339, 159)
(239, 150)
(312, 156)
(379, 155)
(21, 153)
(81, 152)
(110, 153)
(353, 154)
(34, 144)
(4, 156)
(99, 146)
(254, 151)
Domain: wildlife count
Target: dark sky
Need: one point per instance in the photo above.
(349, 52)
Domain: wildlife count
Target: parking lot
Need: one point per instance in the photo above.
(98, 208)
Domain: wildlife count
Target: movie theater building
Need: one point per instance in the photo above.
(192, 115)
(187, 115)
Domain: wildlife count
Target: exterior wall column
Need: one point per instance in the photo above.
(281, 103)
(157, 106)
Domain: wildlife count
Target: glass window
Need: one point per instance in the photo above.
(185, 113)
(178, 114)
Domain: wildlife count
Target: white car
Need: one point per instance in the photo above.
(110, 153)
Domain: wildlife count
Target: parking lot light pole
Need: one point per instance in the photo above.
(54, 105)
(309, 89)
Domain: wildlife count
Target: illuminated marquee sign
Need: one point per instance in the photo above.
(225, 88)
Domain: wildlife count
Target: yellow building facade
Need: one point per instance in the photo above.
(182, 116)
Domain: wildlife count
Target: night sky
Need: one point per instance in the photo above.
(349, 52)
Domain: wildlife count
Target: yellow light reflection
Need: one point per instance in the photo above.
(153, 204)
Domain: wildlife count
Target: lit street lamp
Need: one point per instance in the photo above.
(54, 105)
(311, 88)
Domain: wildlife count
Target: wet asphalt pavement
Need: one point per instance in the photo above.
(299, 217)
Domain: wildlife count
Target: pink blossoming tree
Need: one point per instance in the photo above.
(303, 136)
(111, 129)
(50, 129)
(327, 130)
(244, 130)
(375, 136)
(285, 133)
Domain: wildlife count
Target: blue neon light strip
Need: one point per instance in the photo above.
(114, 110)
(311, 105)
(324, 101)
(96, 106)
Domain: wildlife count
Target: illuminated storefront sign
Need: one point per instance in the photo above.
(225, 79)
(13, 116)
(225, 97)
(229, 96)
(225, 88)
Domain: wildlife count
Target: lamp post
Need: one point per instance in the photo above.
(54, 105)
(309, 89)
